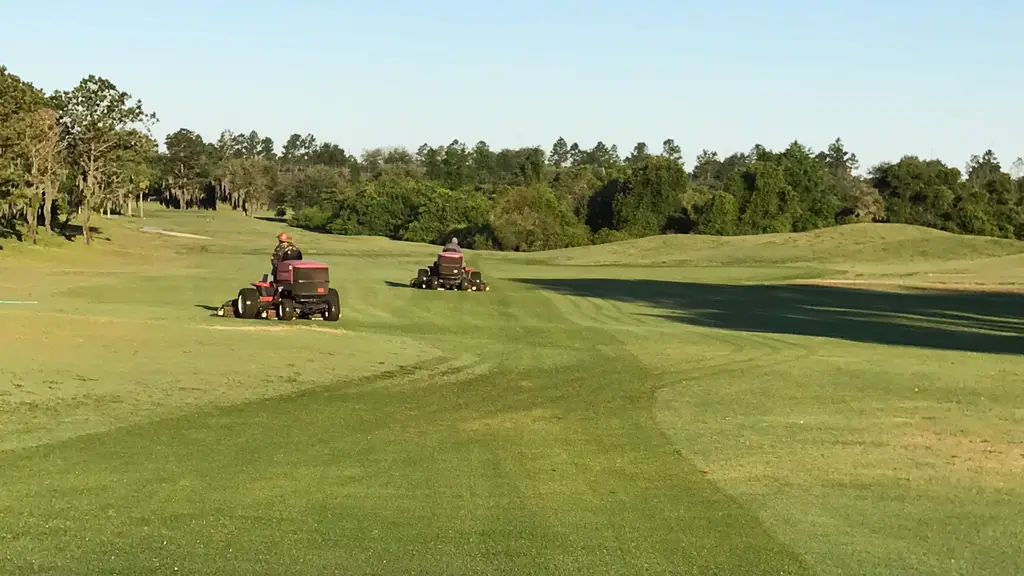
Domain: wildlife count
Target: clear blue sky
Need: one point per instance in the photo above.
(939, 78)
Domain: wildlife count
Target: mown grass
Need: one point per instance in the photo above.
(671, 405)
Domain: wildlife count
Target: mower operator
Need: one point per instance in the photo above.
(284, 245)
(452, 246)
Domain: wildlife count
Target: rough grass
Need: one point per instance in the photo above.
(674, 405)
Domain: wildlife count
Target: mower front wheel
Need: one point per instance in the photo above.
(285, 310)
(333, 311)
(247, 305)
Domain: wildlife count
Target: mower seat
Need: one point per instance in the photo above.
(292, 254)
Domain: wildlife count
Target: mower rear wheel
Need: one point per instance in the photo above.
(285, 309)
(333, 311)
(247, 305)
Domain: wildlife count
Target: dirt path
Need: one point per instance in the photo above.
(277, 329)
(152, 230)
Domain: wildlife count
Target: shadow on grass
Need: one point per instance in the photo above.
(986, 322)
(211, 309)
(66, 231)
(8, 234)
(72, 231)
(391, 284)
(278, 219)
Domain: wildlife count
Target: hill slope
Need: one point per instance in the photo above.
(855, 245)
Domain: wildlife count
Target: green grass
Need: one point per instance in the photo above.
(673, 405)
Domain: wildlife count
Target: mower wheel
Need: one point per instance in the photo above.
(333, 306)
(285, 309)
(464, 285)
(247, 305)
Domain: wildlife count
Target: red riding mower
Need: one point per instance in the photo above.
(450, 273)
(300, 289)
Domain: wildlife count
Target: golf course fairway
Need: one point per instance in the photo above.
(844, 401)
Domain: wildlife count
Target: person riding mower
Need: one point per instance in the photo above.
(452, 246)
(284, 250)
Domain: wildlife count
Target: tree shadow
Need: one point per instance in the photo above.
(985, 322)
(72, 231)
(278, 219)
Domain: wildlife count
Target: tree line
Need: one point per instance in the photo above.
(90, 150)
